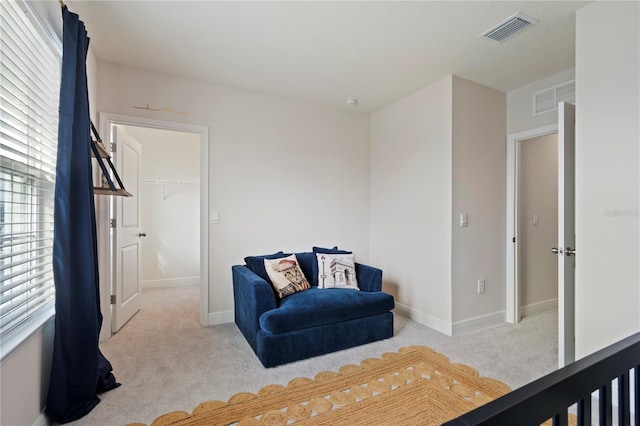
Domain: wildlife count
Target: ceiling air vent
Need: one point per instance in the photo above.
(548, 99)
(509, 27)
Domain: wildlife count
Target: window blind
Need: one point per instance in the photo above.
(29, 92)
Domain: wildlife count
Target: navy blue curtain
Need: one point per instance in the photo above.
(79, 370)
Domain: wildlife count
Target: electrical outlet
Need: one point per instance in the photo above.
(480, 286)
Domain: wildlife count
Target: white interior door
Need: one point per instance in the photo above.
(127, 232)
(566, 234)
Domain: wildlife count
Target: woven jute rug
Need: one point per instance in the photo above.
(415, 385)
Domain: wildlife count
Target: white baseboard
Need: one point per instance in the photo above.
(221, 317)
(534, 308)
(42, 420)
(451, 329)
(170, 282)
(424, 318)
(478, 323)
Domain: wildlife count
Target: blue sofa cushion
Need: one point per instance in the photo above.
(334, 250)
(316, 307)
(256, 263)
(306, 261)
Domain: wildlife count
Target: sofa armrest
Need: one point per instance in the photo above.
(369, 278)
(252, 296)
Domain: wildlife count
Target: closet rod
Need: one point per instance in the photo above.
(168, 182)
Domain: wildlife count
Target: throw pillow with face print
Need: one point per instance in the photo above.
(286, 276)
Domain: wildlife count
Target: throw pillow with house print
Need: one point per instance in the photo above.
(336, 271)
(286, 276)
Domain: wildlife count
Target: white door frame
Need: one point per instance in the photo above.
(513, 286)
(102, 207)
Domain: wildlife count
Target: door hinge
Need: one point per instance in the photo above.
(113, 299)
(514, 239)
(113, 147)
(112, 223)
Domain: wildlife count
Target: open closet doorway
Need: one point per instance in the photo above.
(514, 297)
(171, 187)
(537, 223)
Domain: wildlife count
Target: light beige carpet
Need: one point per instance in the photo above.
(415, 385)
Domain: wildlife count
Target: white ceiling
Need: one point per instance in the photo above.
(325, 52)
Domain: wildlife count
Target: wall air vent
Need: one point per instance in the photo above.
(548, 99)
(509, 27)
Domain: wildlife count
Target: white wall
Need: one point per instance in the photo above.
(538, 195)
(284, 174)
(170, 206)
(24, 378)
(607, 164)
(435, 154)
(520, 104)
(411, 201)
(479, 190)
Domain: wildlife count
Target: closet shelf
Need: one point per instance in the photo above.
(99, 152)
(101, 149)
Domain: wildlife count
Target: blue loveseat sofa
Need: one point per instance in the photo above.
(311, 322)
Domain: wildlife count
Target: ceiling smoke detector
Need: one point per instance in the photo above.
(509, 27)
(352, 102)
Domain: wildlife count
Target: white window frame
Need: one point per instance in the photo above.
(37, 319)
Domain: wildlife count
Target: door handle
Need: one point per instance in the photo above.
(142, 234)
(569, 251)
(556, 250)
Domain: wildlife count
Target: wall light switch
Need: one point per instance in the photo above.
(535, 220)
(464, 220)
(215, 217)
